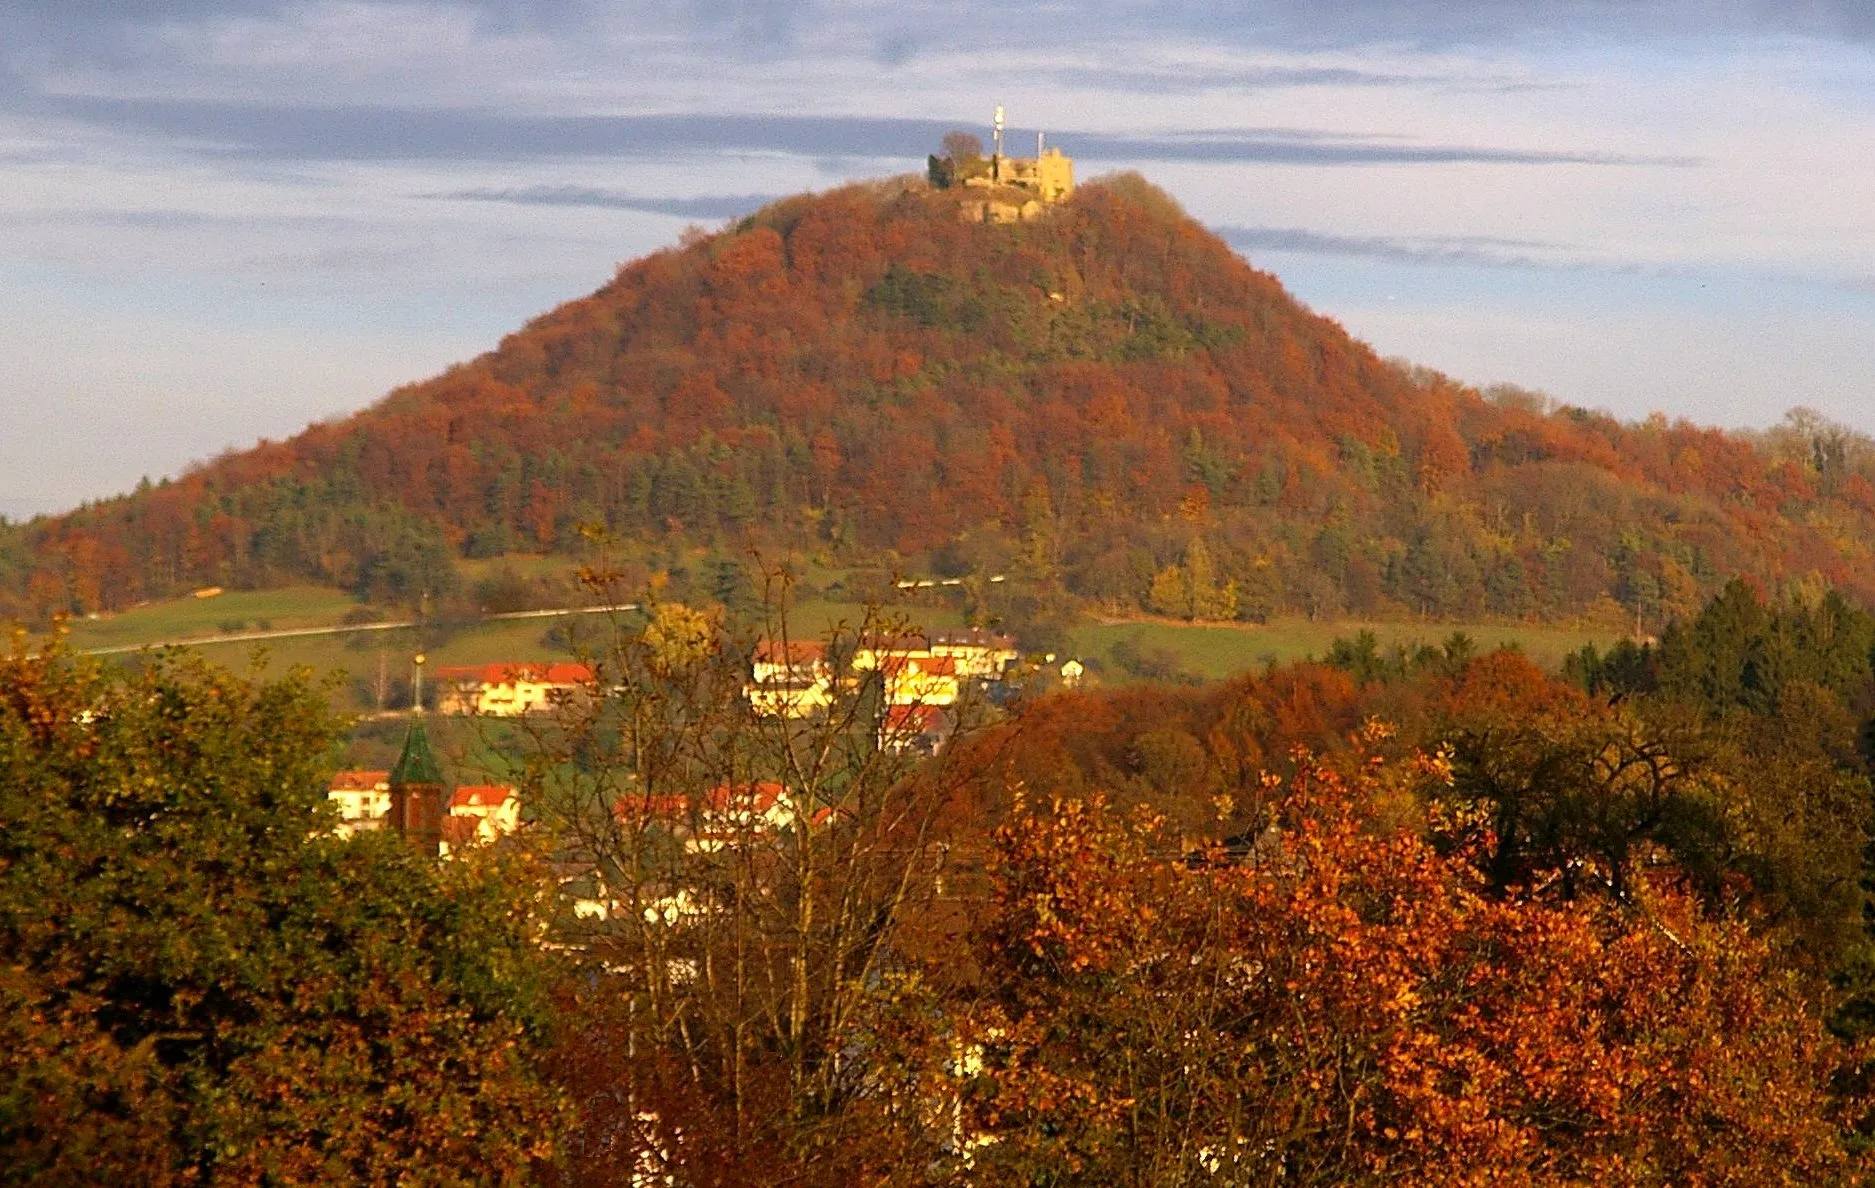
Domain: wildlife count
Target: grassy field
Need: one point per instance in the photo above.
(205, 618)
(354, 657)
(1224, 650)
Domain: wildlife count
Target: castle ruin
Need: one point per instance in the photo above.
(1012, 189)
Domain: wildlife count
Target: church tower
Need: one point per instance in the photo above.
(417, 785)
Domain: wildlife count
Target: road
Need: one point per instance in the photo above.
(295, 632)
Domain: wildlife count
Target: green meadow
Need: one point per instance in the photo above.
(206, 618)
(1223, 650)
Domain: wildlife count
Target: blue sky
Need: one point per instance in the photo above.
(223, 219)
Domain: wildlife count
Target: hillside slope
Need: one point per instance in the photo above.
(1106, 402)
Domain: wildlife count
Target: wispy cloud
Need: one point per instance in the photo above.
(1287, 148)
(718, 206)
(1465, 249)
(1185, 77)
(302, 133)
(904, 24)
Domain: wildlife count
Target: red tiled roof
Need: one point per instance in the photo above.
(758, 797)
(905, 719)
(794, 651)
(360, 781)
(508, 673)
(893, 665)
(480, 796)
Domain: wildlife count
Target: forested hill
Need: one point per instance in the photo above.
(1105, 401)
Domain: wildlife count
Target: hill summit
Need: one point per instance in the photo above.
(1104, 402)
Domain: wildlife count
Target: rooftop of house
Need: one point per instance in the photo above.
(480, 796)
(913, 719)
(511, 672)
(756, 797)
(895, 664)
(793, 651)
(360, 781)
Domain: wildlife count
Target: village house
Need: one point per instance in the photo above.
(979, 654)
(796, 680)
(582, 884)
(363, 799)
(920, 680)
(491, 810)
(914, 729)
(882, 651)
(719, 817)
(775, 659)
(930, 669)
(975, 653)
(510, 690)
(789, 680)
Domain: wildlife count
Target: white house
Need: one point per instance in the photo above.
(363, 799)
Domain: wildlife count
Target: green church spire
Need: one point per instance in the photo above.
(417, 764)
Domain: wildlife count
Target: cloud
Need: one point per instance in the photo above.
(378, 133)
(720, 206)
(1461, 249)
(1447, 23)
(119, 31)
(1294, 21)
(1287, 147)
(896, 48)
(1489, 251)
(168, 219)
(1185, 76)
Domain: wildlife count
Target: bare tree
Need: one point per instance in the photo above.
(746, 886)
(962, 148)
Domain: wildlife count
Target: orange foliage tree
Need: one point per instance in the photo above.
(1334, 1000)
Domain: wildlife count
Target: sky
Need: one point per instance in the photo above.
(221, 220)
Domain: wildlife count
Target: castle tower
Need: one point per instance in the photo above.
(417, 786)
